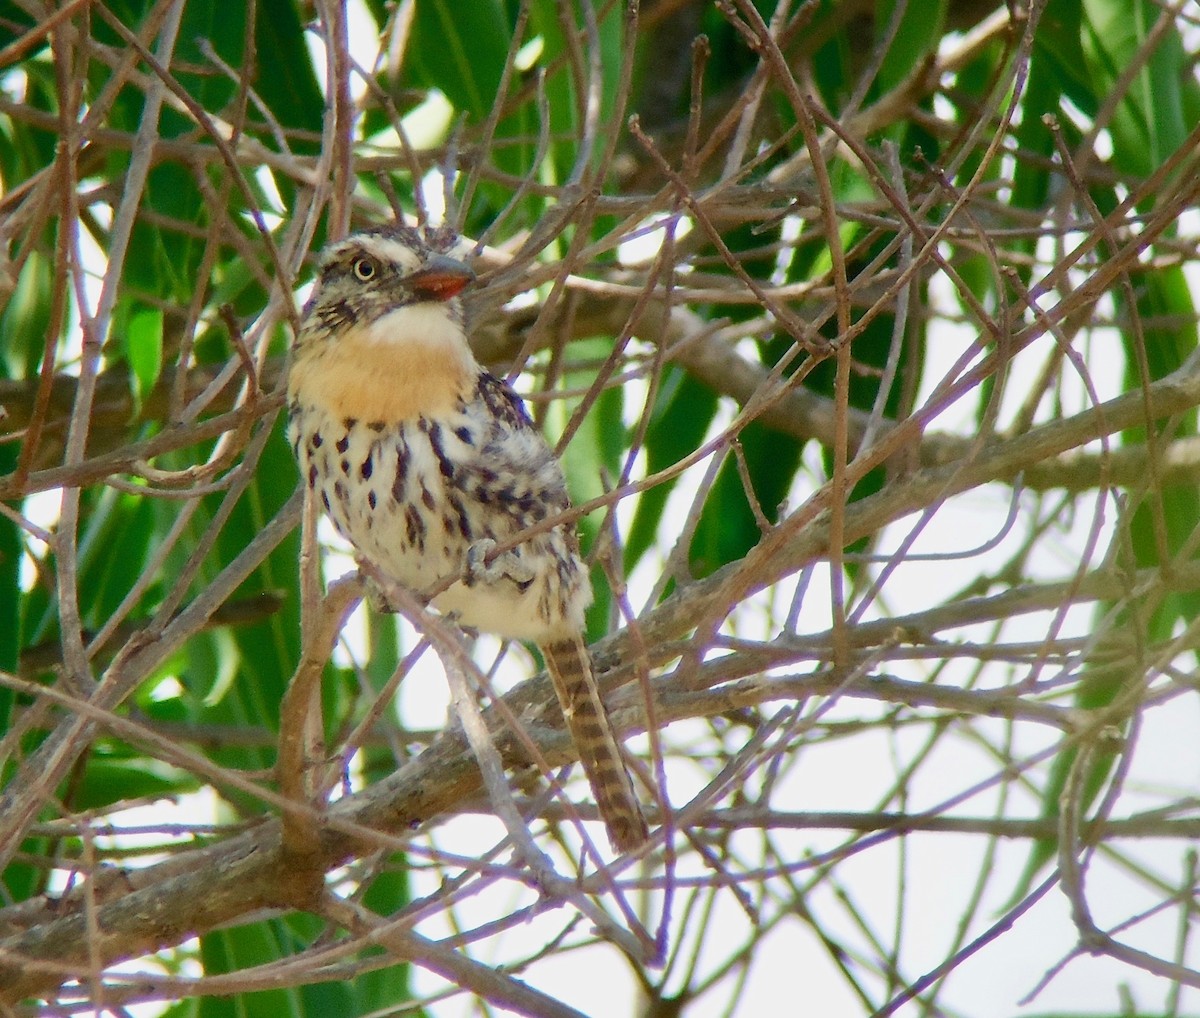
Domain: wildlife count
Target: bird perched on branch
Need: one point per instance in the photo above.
(427, 464)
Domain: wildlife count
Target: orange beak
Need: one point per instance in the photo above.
(440, 278)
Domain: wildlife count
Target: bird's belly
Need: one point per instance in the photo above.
(436, 566)
(391, 499)
(426, 553)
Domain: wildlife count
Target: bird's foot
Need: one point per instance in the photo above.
(507, 566)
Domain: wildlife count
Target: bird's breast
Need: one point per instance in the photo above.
(394, 370)
(414, 499)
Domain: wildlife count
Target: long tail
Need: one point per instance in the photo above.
(570, 667)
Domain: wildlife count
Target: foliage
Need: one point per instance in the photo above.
(869, 335)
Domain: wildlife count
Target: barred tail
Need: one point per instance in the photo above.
(571, 669)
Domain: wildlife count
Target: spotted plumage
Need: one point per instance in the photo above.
(427, 464)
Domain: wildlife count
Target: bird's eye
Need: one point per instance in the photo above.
(364, 269)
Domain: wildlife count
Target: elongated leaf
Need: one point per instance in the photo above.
(1148, 124)
(461, 53)
(144, 348)
(682, 415)
(913, 30)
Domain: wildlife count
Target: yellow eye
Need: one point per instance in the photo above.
(364, 269)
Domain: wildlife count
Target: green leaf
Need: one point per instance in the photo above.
(14, 20)
(729, 526)
(112, 551)
(683, 412)
(1166, 299)
(1169, 336)
(461, 56)
(25, 319)
(107, 781)
(376, 991)
(11, 550)
(287, 81)
(1148, 124)
(238, 675)
(1058, 57)
(593, 454)
(241, 947)
(916, 36)
(189, 1008)
(144, 349)
(565, 102)
(22, 881)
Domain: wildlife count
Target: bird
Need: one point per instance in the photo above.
(426, 464)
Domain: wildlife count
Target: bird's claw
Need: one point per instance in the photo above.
(507, 566)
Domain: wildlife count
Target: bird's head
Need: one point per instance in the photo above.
(370, 278)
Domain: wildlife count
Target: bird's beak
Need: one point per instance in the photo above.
(440, 278)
